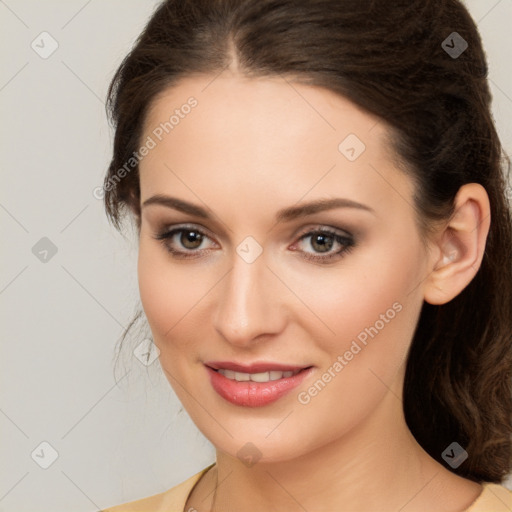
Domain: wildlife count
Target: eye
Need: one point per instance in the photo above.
(327, 244)
(184, 242)
(189, 242)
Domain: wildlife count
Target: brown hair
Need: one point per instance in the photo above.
(388, 58)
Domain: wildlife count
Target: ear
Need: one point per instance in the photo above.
(458, 247)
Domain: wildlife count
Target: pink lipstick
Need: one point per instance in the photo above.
(254, 385)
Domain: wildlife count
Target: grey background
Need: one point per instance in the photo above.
(61, 317)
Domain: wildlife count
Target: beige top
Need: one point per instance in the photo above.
(494, 498)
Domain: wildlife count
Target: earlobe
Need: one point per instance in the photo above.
(460, 246)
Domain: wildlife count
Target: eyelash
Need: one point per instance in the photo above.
(347, 242)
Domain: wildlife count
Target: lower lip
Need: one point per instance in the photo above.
(254, 394)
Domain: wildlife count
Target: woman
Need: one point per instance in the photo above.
(324, 250)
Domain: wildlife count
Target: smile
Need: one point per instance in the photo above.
(257, 377)
(255, 389)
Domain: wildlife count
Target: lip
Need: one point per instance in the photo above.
(257, 367)
(255, 394)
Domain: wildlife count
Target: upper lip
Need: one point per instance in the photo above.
(258, 367)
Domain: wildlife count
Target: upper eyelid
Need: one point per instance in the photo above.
(299, 232)
(183, 227)
(302, 233)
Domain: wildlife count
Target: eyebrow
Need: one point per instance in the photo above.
(284, 215)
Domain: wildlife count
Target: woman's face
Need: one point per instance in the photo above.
(253, 277)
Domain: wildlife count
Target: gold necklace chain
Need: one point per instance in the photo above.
(215, 493)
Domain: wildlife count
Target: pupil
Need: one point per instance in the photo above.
(320, 244)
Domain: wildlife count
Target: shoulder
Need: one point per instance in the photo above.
(172, 500)
(494, 498)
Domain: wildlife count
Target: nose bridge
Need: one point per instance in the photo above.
(247, 305)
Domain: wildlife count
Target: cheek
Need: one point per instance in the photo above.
(168, 293)
(366, 308)
(373, 315)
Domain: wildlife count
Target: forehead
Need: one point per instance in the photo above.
(266, 136)
(264, 107)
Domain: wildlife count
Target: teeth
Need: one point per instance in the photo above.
(257, 377)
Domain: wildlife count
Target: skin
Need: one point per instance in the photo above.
(250, 148)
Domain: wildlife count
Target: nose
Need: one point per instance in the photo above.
(249, 303)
